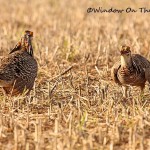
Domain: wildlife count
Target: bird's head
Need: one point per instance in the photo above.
(125, 51)
(26, 43)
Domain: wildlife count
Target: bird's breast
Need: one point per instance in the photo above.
(130, 76)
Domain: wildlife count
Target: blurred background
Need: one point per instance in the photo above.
(56, 23)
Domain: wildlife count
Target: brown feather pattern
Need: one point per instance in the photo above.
(19, 69)
(134, 74)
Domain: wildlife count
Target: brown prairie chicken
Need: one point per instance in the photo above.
(19, 69)
(132, 69)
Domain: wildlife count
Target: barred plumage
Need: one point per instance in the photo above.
(130, 70)
(19, 69)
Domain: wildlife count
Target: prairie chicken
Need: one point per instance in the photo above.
(132, 69)
(19, 69)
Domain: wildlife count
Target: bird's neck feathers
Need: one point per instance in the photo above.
(126, 61)
(28, 47)
(22, 45)
(25, 43)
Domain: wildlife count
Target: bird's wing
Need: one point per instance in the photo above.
(143, 65)
(19, 67)
(140, 61)
(114, 72)
(7, 69)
